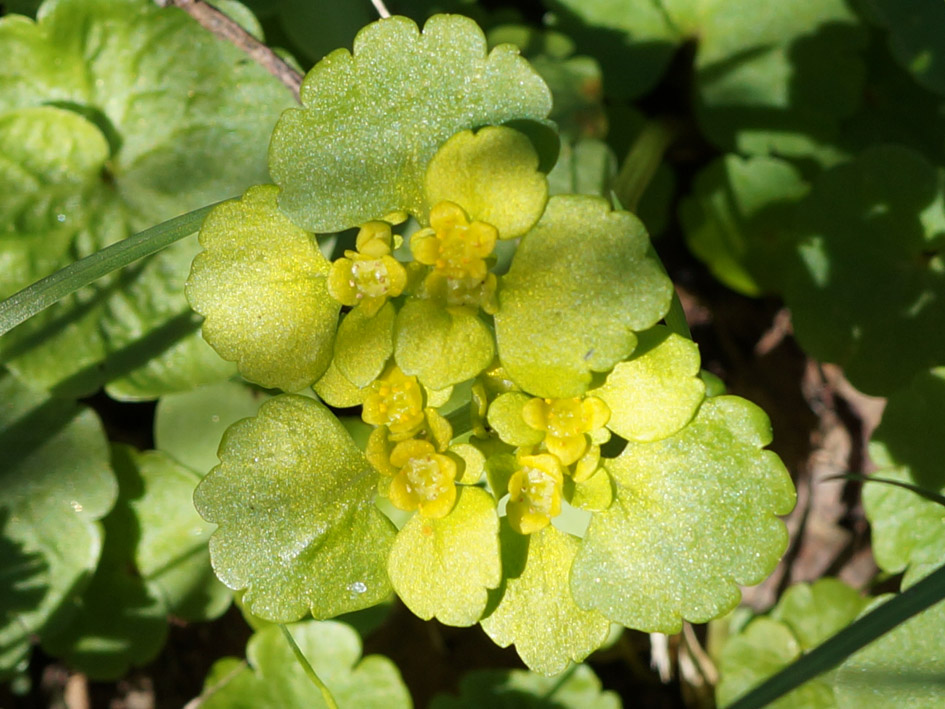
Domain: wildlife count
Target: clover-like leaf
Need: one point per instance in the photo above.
(363, 344)
(535, 609)
(737, 217)
(444, 567)
(441, 346)
(261, 284)
(694, 517)
(373, 119)
(904, 667)
(657, 391)
(570, 306)
(493, 175)
(274, 677)
(518, 689)
(166, 99)
(908, 447)
(57, 482)
(294, 499)
(876, 220)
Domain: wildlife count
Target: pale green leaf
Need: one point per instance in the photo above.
(570, 306)
(657, 391)
(694, 517)
(536, 597)
(441, 346)
(594, 494)
(335, 390)
(505, 418)
(587, 166)
(399, 96)
(443, 568)
(261, 284)
(363, 344)
(275, 679)
(294, 499)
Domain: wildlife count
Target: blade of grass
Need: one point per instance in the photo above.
(929, 495)
(23, 304)
(859, 634)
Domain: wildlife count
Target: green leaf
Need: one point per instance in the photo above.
(577, 688)
(875, 220)
(536, 596)
(171, 551)
(657, 391)
(594, 494)
(569, 307)
(399, 96)
(915, 38)
(903, 668)
(261, 284)
(441, 346)
(335, 390)
(56, 482)
(694, 516)
(505, 417)
(585, 167)
(493, 175)
(442, 568)
(188, 426)
(908, 447)
(274, 678)
(294, 499)
(736, 220)
(167, 100)
(363, 344)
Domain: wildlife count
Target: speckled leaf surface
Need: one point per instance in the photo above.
(57, 482)
(694, 517)
(441, 346)
(363, 344)
(568, 306)
(518, 689)
(274, 678)
(444, 567)
(877, 220)
(375, 117)
(261, 285)
(294, 499)
(165, 99)
(908, 446)
(657, 391)
(535, 610)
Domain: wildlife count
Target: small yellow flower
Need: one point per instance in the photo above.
(535, 493)
(396, 401)
(457, 250)
(425, 479)
(369, 276)
(566, 423)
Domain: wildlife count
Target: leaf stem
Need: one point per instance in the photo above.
(860, 633)
(309, 670)
(381, 8)
(643, 158)
(40, 295)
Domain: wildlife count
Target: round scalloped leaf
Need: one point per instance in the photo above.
(363, 344)
(261, 284)
(816, 611)
(373, 120)
(536, 597)
(56, 481)
(294, 499)
(188, 426)
(581, 282)
(736, 219)
(915, 37)
(908, 447)
(443, 568)
(904, 667)
(168, 99)
(493, 175)
(518, 689)
(867, 290)
(274, 677)
(693, 518)
(171, 551)
(441, 346)
(657, 391)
